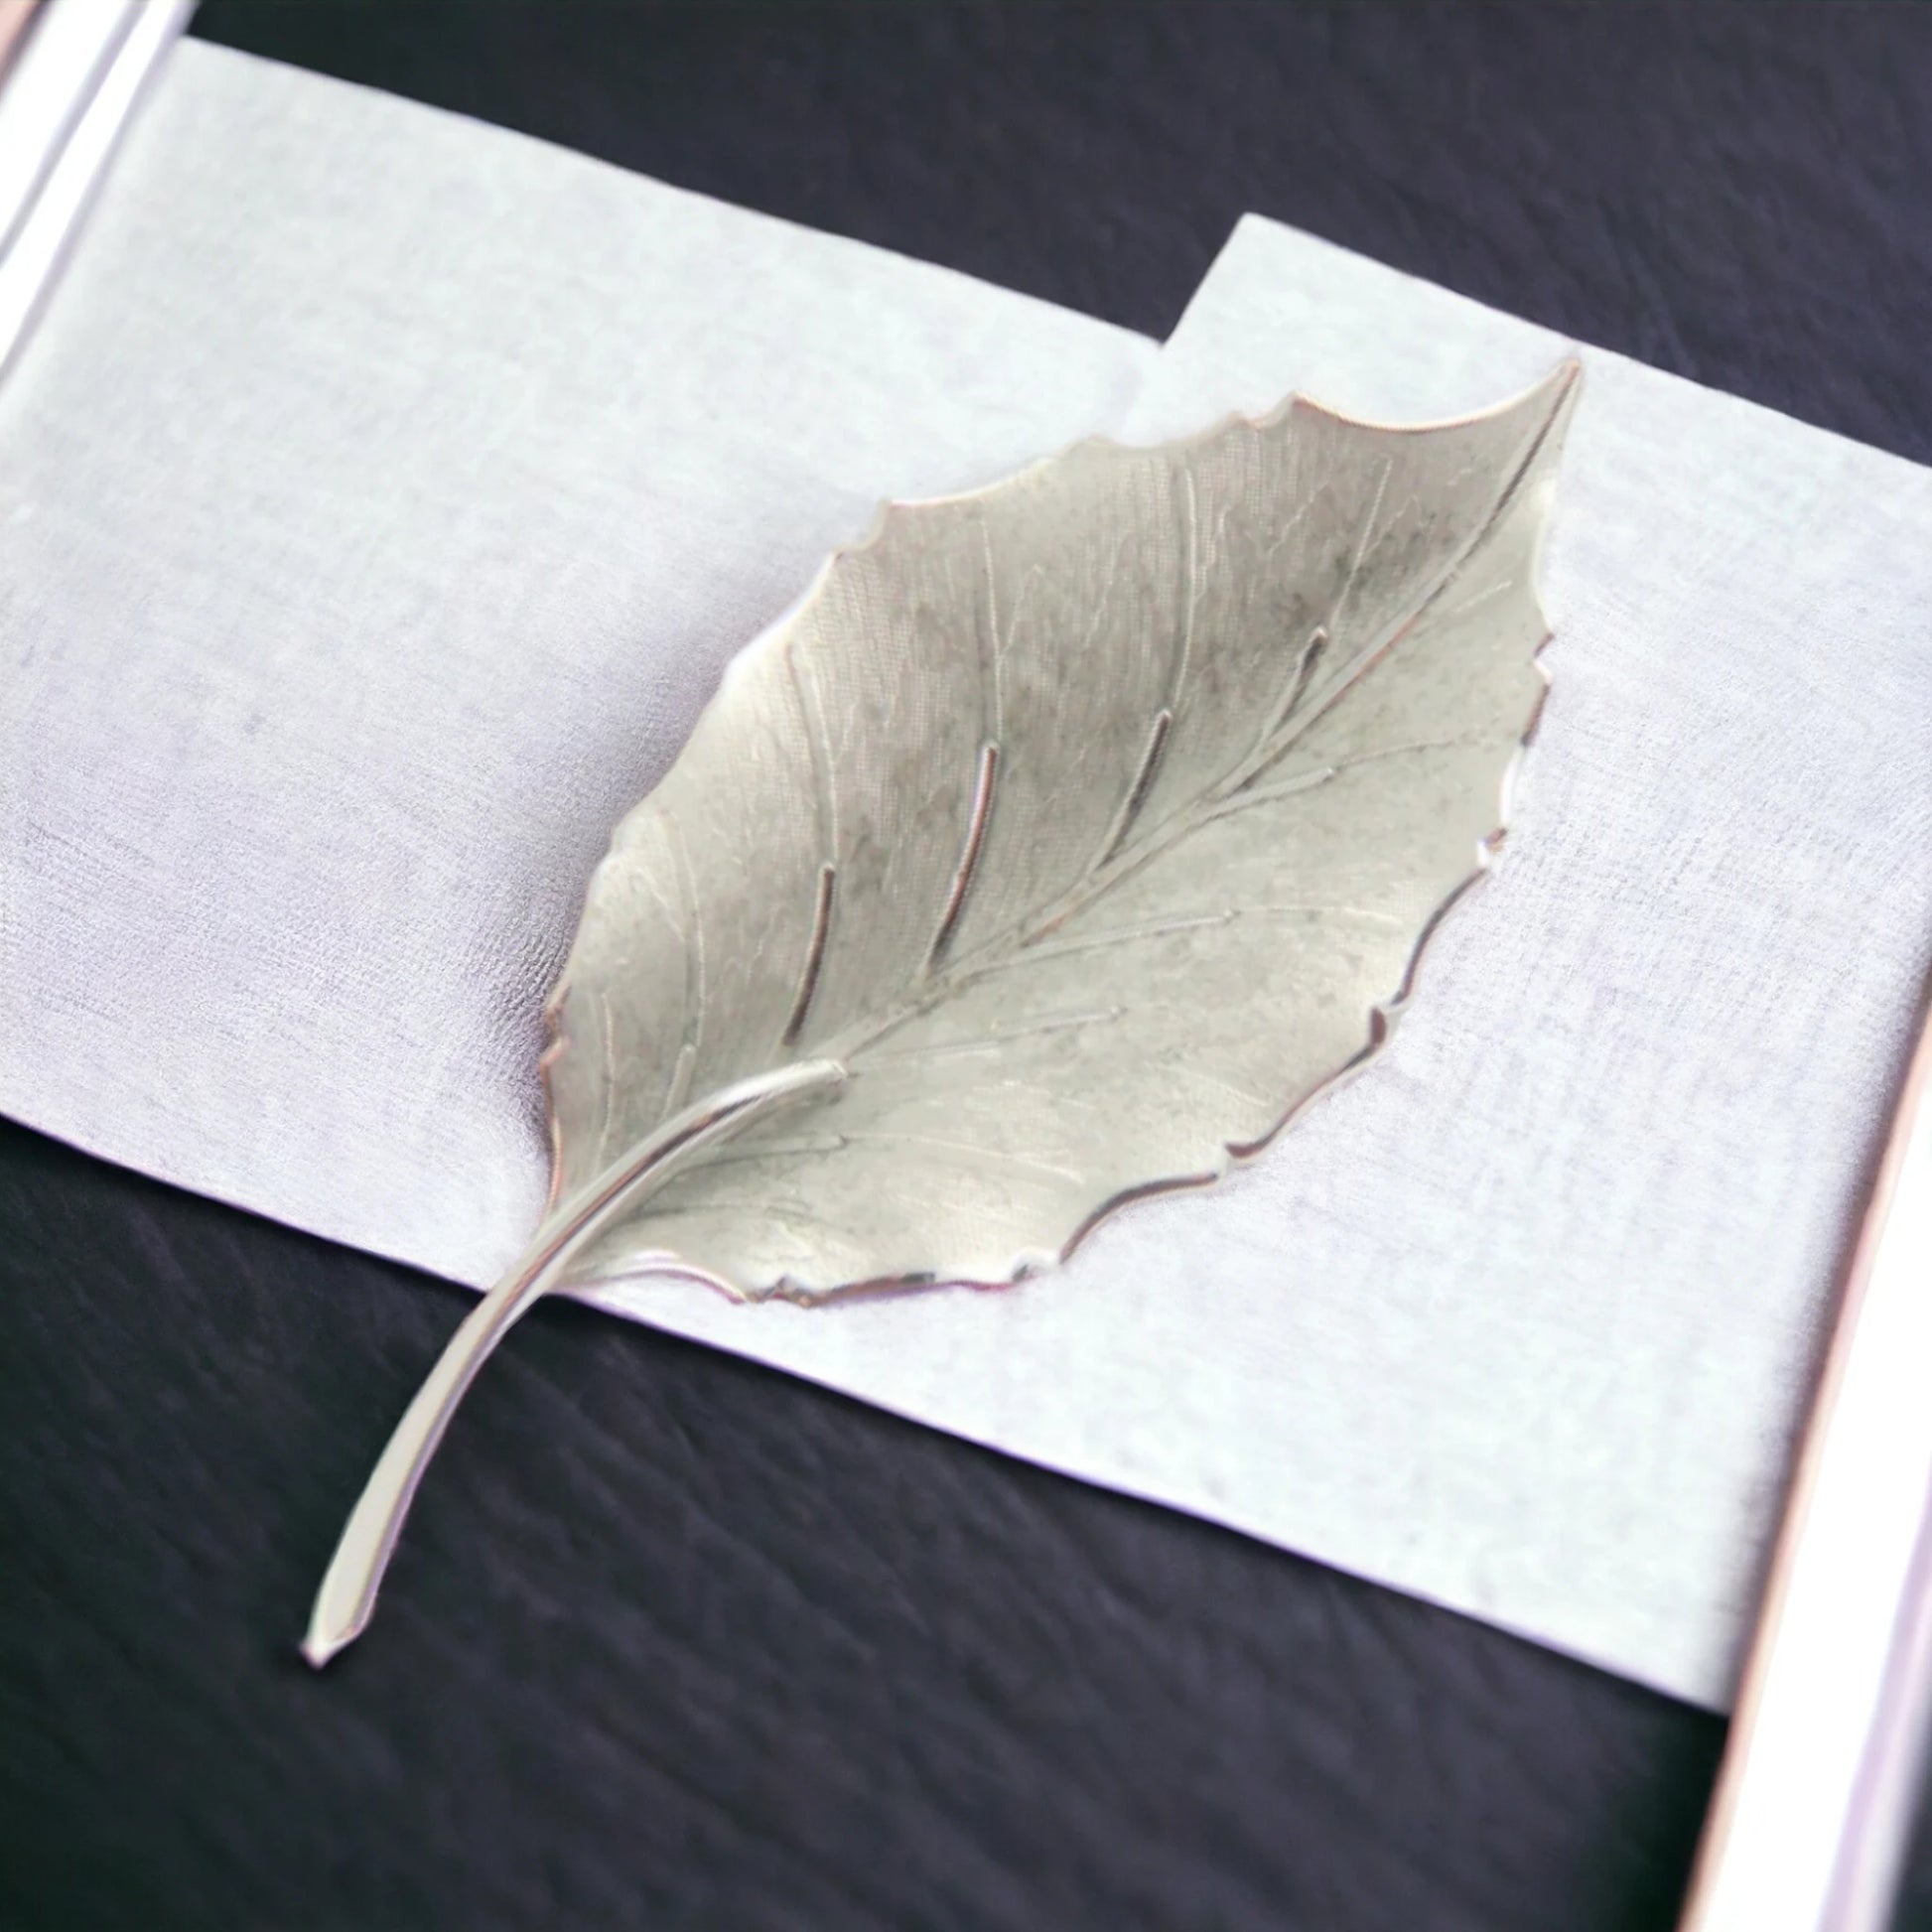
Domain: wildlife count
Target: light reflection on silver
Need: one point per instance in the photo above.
(65, 99)
(1815, 1797)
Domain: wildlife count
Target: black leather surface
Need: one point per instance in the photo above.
(677, 1642)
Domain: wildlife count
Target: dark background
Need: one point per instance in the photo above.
(674, 1641)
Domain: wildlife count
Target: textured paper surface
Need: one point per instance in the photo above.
(345, 616)
(378, 504)
(1599, 1187)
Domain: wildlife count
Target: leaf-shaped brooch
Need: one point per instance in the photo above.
(1063, 843)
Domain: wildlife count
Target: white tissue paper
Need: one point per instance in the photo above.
(1552, 1280)
(380, 503)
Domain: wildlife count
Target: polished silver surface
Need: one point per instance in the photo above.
(1807, 1827)
(1068, 837)
(63, 52)
(69, 94)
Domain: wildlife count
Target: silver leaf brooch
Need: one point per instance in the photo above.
(1065, 841)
